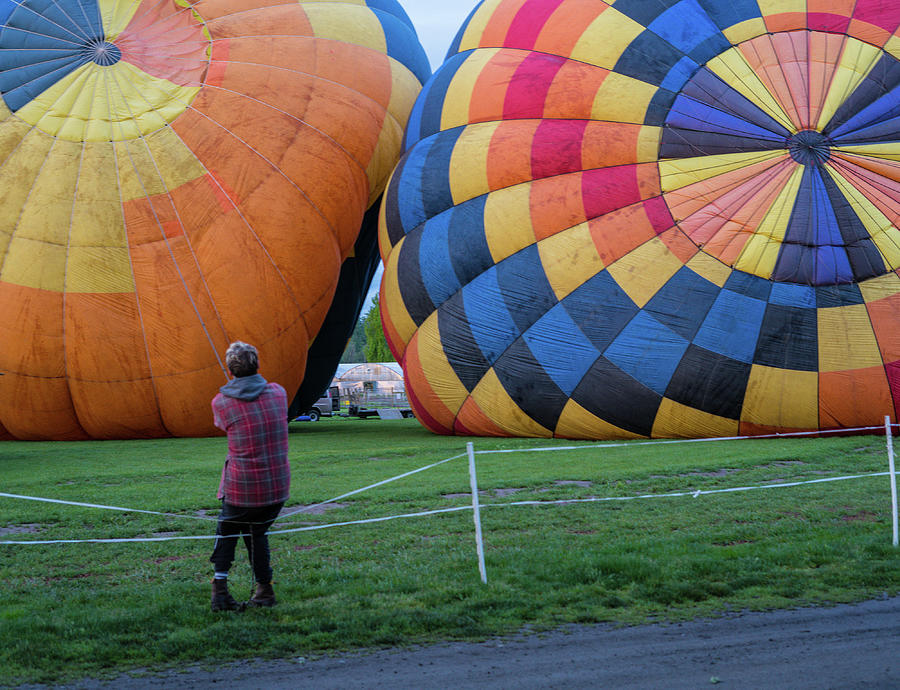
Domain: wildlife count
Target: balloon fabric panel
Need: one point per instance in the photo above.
(632, 219)
(176, 176)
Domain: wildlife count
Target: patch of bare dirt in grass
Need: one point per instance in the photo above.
(312, 509)
(167, 559)
(724, 472)
(75, 576)
(861, 516)
(27, 528)
(851, 514)
(498, 493)
(502, 493)
(509, 491)
(794, 514)
(728, 471)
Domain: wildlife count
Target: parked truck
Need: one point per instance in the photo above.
(326, 406)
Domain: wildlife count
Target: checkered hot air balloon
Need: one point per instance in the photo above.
(675, 218)
(174, 176)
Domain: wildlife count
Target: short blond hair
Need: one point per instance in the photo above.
(242, 359)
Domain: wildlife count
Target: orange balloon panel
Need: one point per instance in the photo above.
(179, 177)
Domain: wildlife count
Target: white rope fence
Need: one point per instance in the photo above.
(201, 537)
(475, 506)
(105, 507)
(304, 509)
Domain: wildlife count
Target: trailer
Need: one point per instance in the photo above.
(380, 412)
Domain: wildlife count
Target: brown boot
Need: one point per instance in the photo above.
(264, 596)
(221, 597)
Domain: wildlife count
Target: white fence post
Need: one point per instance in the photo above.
(476, 511)
(890, 446)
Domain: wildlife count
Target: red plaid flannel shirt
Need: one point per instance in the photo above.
(256, 471)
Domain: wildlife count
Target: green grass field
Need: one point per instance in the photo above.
(80, 610)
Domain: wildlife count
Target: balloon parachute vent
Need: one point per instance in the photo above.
(809, 147)
(103, 52)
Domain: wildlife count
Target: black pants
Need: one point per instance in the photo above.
(253, 523)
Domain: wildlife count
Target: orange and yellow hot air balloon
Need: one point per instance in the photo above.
(174, 176)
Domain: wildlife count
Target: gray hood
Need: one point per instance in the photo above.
(245, 387)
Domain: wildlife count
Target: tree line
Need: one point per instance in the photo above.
(368, 344)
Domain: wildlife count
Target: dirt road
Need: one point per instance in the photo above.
(840, 647)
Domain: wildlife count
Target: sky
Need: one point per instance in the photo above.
(436, 22)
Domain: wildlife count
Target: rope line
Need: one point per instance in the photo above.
(303, 509)
(306, 509)
(310, 528)
(677, 494)
(106, 507)
(633, 444)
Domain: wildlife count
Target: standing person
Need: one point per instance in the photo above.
(256, 476)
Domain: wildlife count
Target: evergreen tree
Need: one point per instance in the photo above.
(356, 346)
(377, 349)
